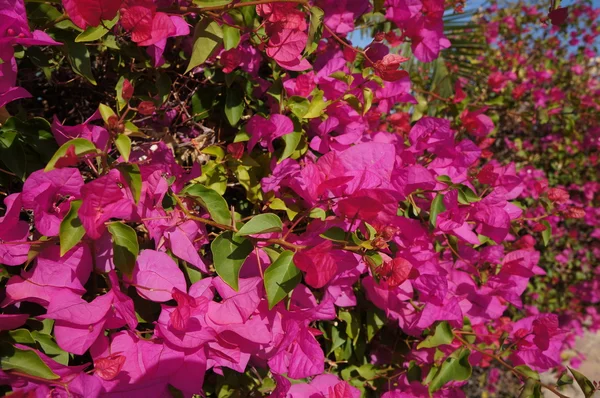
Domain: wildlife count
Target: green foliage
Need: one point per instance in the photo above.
(207, 37)
(455, 368)
(71, 229)
(24, 361)
(441, 336)
(261, 224)
(229, 253)
(81, 146)
(125, 246)
(281, 277)
(211, 200)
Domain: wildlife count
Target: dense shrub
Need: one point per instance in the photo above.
(230, 199)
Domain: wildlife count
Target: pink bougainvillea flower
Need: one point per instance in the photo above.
(476, 122)
(300, 355)
(8, 70)
(230, 60)
(50, 275)
(341, 15)
(264, 131)
(155, 276)
(96, 134)
(137, 19)
(14, 29)
(103, 199)
(12, 321)
(395, 272)
(73, 381)
(539, 340)
(387, 67)
(286, 45)
(49, 195)
(149, 366)
(318, 263)
(185, 239)
(13, 231)
(185, 326)
(86, 13)
(322, 386)
(78, 323)
(109, 367)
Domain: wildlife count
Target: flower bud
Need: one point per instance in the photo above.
(574, 212)
(558, 195)
(236, 150)
(146, 108)
(388, 232)
(127, 91)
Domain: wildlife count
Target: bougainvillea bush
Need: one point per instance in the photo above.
(227, 198)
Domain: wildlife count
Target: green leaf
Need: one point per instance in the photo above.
(547, 233)
(234, 105)
(215, 151)
(82, 147)
(121, 103)
(192, 273)
(21, 336)
(24, 361)
(444, 179)
(466, 195)
(298, 105)
(229, 253)
(564, 380)
(125, 246)
(106, 112)
(133, 178)
(319, 213)
(531, 389)
(335, 234)
(207, 37)
(437, 207)
(93, 33)
(123, 144)
(281, 277)
(368, 96)
(455, 368)
(12, 153)
(375, 321)
(212, 201)
(352, 324)
(317, 106)
(35, 133)
(50, 347)
(71, 230)
(527, 371)
(212, 3)
(442, 335)
(291, 143)
(79, 58)
(584, 383)
(315, 30)
(261, 224)
(231, 37)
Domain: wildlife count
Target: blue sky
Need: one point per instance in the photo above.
(359, 41)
